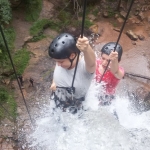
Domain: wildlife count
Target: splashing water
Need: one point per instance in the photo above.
(96, 128)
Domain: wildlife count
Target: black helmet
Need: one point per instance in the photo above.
(107, 48)
(62, 46)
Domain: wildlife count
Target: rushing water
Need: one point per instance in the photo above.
(95, 128)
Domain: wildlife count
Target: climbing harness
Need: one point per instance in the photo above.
(65, 102)
(118, 38)
(3, 36)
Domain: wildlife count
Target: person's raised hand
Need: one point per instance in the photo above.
(82, 44)
(113, 56)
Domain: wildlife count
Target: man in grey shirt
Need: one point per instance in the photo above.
(64, 49)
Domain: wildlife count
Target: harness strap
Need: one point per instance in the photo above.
(72, 105)
(69, 89)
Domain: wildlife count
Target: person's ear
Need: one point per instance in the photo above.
(72, 56)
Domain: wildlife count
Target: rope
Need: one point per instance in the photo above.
(82, 30)
(3, 36)
(137, 75)
(118, 37)
(7, 112)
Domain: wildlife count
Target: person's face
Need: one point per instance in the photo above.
(65, 63)
(105, 60)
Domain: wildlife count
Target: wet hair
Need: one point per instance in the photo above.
(107, 48)
(63, 46)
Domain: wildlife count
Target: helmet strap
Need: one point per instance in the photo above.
(71, 61)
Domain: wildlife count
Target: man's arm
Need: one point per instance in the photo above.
(53, 85)
(89, 56)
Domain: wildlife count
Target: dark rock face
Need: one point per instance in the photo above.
(140, 99)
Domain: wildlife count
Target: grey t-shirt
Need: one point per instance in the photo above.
(63, 78)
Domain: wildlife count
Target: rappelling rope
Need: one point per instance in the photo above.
(3, 36)
(82, 30)
(118, 38)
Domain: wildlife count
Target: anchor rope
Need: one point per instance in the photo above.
(5, 42)
(118, 38)
(137, 75)
(82, 31)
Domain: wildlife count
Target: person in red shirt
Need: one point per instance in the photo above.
(113, 73)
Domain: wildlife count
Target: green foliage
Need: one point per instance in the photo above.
(77, 23)
(65, 17)
(33, 9)
(5, 12)
(8, 102)
(39, 25)
(21, 59)
(3, 95)
(111, 12)
(38, 38)
(88, 23)
(10, 36)
(95, 12)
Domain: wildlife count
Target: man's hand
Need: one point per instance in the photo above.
(82, 44)
(53, 87)
(113, 56)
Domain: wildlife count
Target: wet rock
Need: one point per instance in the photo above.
(105, 14)
(116, 16)
(141, 37)
(8, 73)
(137, 8)
(148, 19)
(120, 20)
(133, 42)
(132, 35)
(146, 8)
(116, 29)
(132, 20)
(19, 110)
(1, 140)
(140, 99)
(96, 29)
(142, 8)
(138, 22)
(13, 85)
(136, 1)
(136, 13)
(123, 14)
(5, 81)
(141, 16)
(91, 17)
(29, 38)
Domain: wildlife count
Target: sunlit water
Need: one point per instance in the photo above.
(95, 128)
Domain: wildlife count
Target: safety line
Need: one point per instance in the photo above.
(82, 30)
(3, 36)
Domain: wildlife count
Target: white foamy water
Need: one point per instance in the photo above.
(94, 129)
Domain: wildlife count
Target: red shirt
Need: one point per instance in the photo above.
(110, 80)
